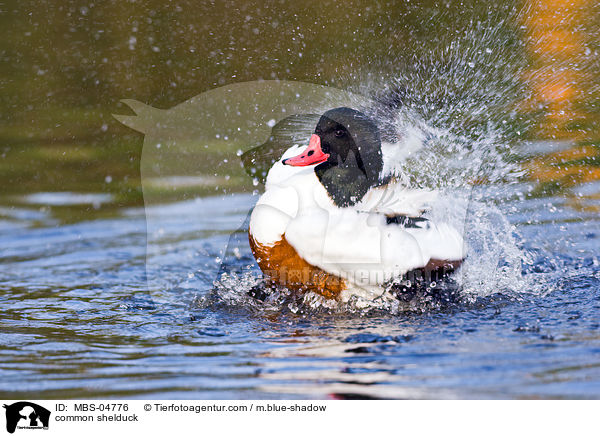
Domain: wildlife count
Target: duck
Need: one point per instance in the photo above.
(335, 221)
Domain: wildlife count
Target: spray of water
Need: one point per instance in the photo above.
(450, 123)
(454, 115)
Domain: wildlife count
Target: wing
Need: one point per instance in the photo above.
(364, 249)
(393, 199)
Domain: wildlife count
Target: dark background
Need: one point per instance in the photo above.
(65, 66)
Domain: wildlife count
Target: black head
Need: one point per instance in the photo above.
(346, 152)
(354, 147)
(352, 141)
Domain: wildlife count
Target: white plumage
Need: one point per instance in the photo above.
(355, 242)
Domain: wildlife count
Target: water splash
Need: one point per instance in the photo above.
(455, 124)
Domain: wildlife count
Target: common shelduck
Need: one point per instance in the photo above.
(333, 222)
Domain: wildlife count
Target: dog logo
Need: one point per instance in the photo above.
(26, 415)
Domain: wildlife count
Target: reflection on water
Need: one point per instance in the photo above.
(78, 321)
(67, 198)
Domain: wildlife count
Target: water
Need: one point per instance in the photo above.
(79, 321)
(104, 298)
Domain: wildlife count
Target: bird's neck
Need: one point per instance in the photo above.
(346, 186)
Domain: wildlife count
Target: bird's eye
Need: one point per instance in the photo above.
(339, 133)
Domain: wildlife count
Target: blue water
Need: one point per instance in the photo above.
(87, 309)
